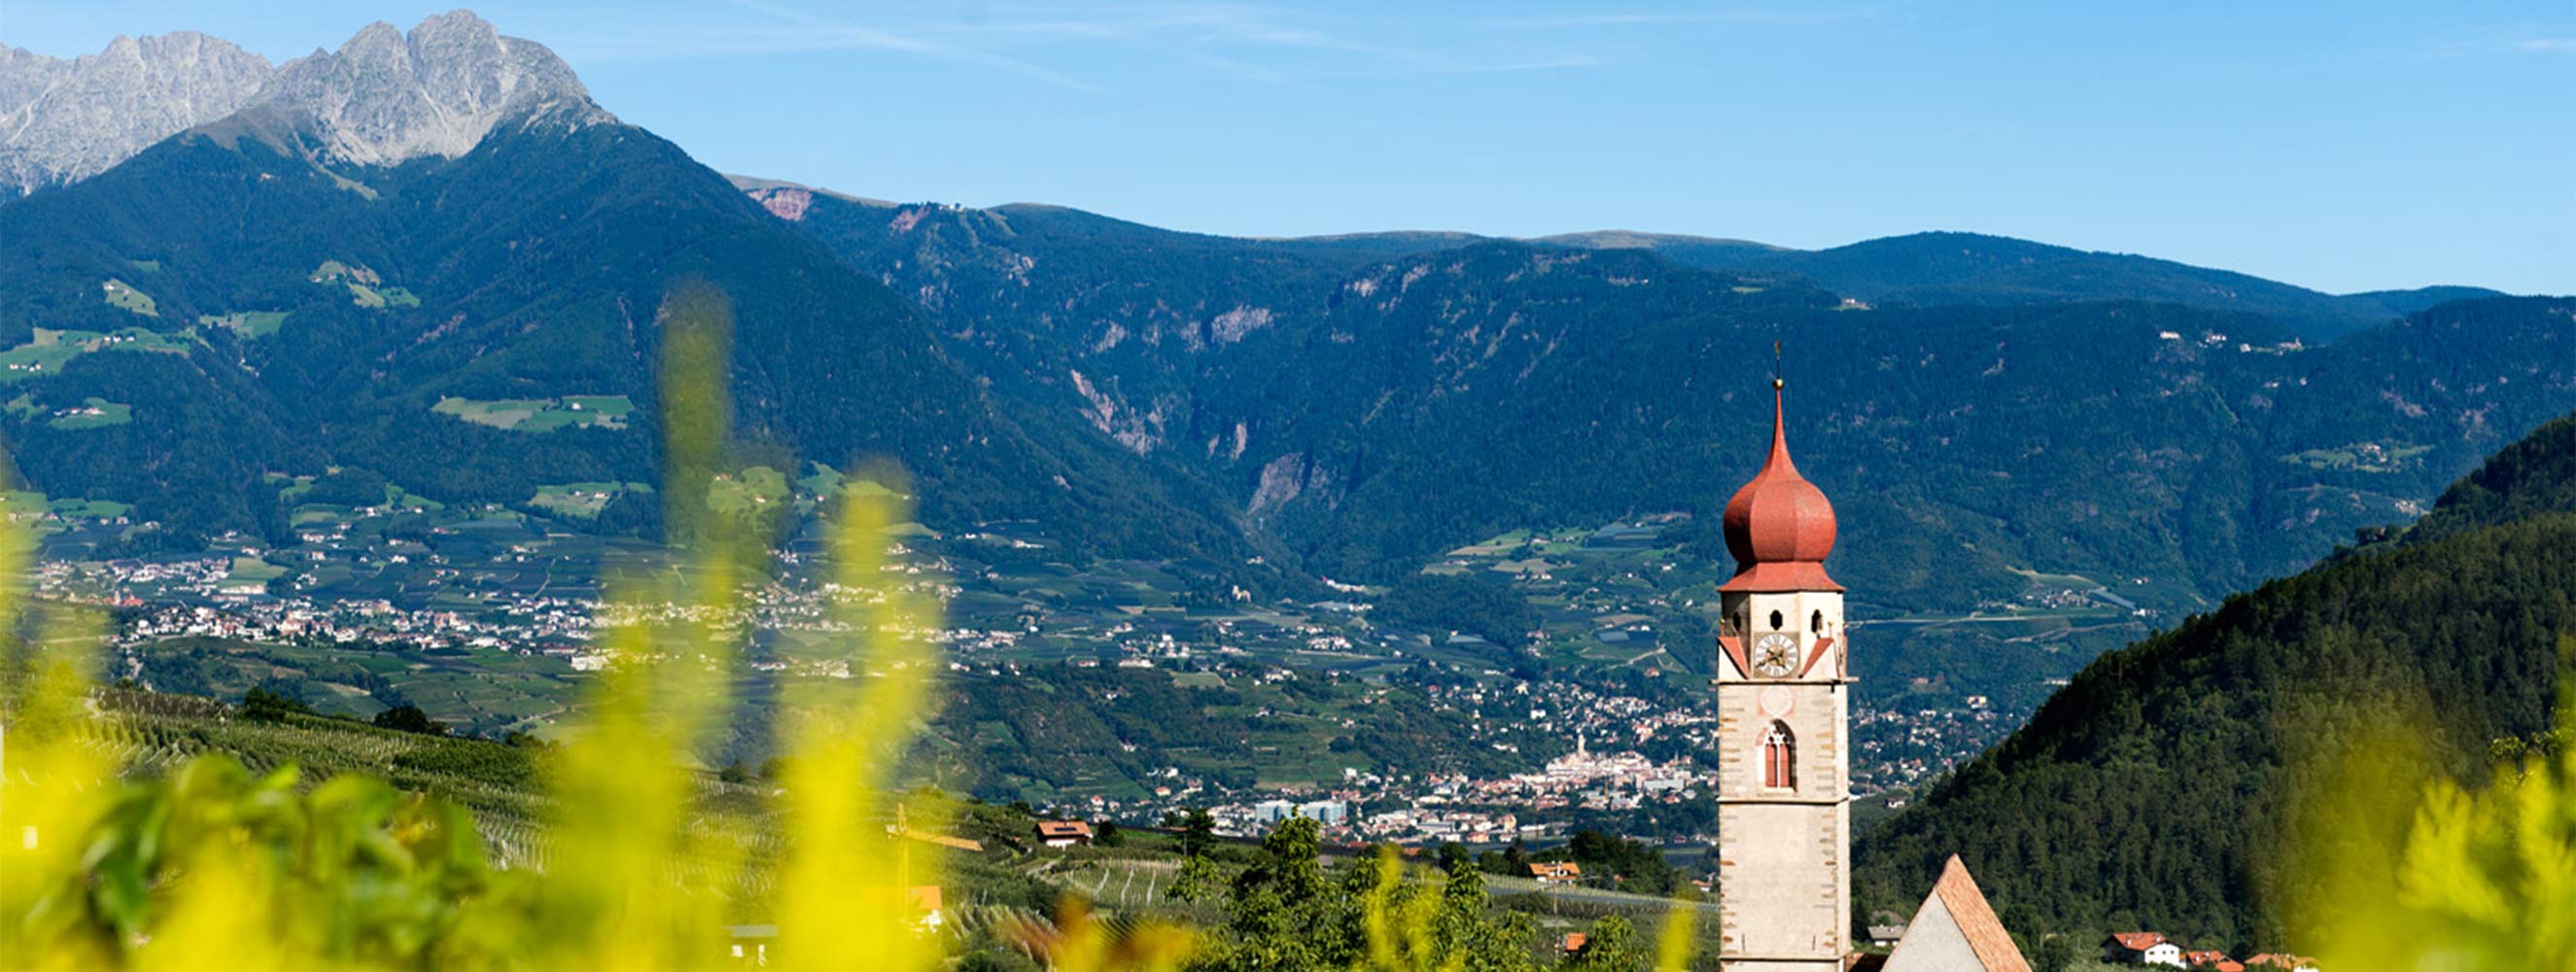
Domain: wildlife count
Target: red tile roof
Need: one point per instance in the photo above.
(1977, 922)
(1734, 647)
(2138, 941)
(2278, 960)
(1823, 647)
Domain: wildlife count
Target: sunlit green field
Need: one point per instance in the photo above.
(540, 414)
(583, 500)
(47, 352)
(248, 323)
(123, 295)
(94, 412)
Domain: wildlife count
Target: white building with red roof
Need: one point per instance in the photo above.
(2141, 948)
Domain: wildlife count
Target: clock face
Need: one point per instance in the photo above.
(1775, 655)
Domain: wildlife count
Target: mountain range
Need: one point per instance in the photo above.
(282, 271)
(440, 88)
(532, 262)
(1370, 401)
(66, 120)
(383, 98)
(372, 235)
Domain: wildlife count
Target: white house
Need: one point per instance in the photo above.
(2141, 948)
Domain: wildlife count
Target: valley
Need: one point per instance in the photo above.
(1244, 468)
(399, 411)
(484, 616)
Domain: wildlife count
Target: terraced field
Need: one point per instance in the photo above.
(484, 690)
(151, 733)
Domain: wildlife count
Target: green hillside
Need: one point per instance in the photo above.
(2154, 791)
(496, 782)
(532, 269)
(1328, 393)
(1928, 269)
(2423, 298)
(2536, 475)
(1347, 399)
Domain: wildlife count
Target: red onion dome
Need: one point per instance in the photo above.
(1779, 526)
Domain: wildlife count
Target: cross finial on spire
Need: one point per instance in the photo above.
(1776, 381)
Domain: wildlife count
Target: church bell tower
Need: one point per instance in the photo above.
(1784, 775)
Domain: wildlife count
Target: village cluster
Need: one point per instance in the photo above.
(2154, 949)
(444, 602)
(1473, 811)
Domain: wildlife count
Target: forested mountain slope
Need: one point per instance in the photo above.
(1369, 404)
(312, 312)
(2424, 298)
(2533, 476)
(2155, 790)
(1928, 269)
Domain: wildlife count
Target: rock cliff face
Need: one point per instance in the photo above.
(384, 97)
(63, 120)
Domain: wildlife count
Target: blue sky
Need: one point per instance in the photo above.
(2379, 145)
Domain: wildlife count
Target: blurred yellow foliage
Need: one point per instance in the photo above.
(2484, 877)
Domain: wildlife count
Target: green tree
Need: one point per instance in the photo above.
(1470, 937)
(2054, 954)
(1611, 946)
(1197, 880)
(265, 704)
(1198, 830)
(1452, 854)
(1283, 914)
(409, 718)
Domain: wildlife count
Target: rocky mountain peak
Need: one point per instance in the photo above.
(66, 119)
(385, 96)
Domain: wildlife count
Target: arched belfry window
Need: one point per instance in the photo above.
(1779, 758)
(1816, 623)
(1775, 620)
